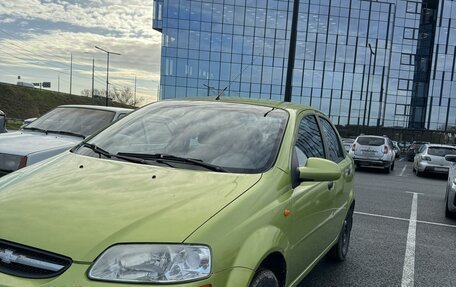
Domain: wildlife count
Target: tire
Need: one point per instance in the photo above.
(264, 278)
(392, 167)
(448, 213)
(339, 251)
(418, 173)
(388, 169)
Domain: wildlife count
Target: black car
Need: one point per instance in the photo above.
(414, 147)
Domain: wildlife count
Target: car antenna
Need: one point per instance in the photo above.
(235, 78)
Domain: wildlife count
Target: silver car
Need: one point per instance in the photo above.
(450, 198)
(53, 133)
(431, 159)
(373, 151)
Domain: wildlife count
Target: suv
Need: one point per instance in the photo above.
(374, 151)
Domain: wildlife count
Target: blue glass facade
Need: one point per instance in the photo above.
(388, 63)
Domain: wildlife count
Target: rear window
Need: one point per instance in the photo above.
(370, 141)
(441, 151)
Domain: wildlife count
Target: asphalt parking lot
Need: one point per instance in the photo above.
(388, 247)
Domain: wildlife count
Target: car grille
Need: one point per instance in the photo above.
(28, 262)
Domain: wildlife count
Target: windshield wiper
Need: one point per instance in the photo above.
(66, 133)
(107, 154)
(36, 129)
(164, 157)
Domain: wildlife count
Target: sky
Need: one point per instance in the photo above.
(37, 39)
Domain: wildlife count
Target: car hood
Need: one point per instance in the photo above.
(25, 142)
(78, 206)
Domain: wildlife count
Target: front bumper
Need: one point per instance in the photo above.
(76, 276)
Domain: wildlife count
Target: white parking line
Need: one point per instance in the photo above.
(405, 219)
(403, 170)
(402, 159)
(408, 273)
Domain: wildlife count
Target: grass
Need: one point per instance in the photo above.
(23, 102)
(13, 124)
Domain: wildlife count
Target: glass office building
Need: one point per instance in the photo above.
(388, 63)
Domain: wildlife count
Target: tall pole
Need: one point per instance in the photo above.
(71, 72)
(107, 70)
(368, 79)
(135, 90)
(93, 75)
(58, 89)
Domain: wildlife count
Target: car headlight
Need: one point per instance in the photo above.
(152, 263)
(9, 162)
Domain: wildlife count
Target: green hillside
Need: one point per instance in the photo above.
(23, 102)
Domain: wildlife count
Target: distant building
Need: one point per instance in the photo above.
(385, 62)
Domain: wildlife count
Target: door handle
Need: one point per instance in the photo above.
(330, 185)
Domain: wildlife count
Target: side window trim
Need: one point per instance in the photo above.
(325, 143)
(301, 118)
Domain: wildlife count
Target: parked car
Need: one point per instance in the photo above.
(431, 159)
(184, 193)
(450, 196)
(397, 149)
(373, 151)
(2, 122)
(53, 133)
(413, 148)
(347, 144)
(28, 121)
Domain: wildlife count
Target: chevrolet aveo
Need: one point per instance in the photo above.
(184, 193)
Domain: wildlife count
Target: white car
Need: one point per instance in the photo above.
(55, 132)
(430, 158)
(450, 198)
(373, 151)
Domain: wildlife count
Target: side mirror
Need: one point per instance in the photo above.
(450, 157)
(318, 169)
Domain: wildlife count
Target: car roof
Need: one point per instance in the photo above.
(255, 102)
(440, 145)
(94, 107)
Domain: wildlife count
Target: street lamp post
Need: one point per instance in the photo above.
(368, 80)
(107, 70)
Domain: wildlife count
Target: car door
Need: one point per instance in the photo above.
(345, 184)
(311, 201)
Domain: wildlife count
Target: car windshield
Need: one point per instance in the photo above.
(441, 151)
(236, 137)
(78, 121)
(371, 141)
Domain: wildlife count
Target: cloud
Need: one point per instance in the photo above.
(42, 34)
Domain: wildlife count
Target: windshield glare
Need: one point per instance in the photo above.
(238, 137)
(82, 121)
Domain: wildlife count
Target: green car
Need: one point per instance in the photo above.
(199, 193)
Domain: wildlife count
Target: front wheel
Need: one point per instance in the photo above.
(264, 278)
(339, 251)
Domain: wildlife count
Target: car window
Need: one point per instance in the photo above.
(309, 142)
(421, 149)
(335, 151)
(82, 121)
(237, 137)
(441, 151)
(370, 141)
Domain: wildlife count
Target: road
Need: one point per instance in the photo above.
(387, 248)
